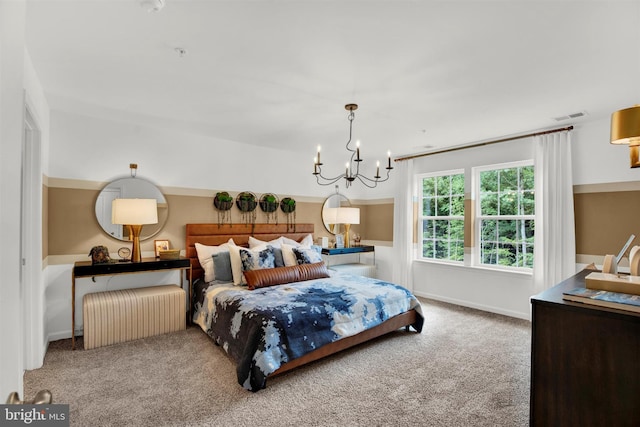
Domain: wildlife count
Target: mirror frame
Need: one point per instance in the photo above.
(335, 200)
(118, 188)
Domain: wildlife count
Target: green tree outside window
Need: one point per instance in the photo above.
(506, 216)
(442, 216)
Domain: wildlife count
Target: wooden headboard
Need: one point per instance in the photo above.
(214, 235)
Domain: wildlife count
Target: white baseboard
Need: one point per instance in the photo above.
(491, 309)
(62, 335)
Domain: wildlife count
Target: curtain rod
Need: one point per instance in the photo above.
(480, 144)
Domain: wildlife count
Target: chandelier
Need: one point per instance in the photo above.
(352, 167)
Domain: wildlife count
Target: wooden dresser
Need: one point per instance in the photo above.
(585, 362)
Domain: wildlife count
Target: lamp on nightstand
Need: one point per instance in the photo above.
(330, 216)
(347, 216)
(134, 213)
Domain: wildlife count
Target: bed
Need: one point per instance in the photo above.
(286, 316)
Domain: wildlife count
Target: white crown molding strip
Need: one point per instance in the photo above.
(607, 187)
(177, 191)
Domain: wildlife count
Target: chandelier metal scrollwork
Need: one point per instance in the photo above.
(352, 167)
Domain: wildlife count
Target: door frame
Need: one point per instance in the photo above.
(32, 288)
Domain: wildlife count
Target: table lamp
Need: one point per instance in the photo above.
(347, 216)
(330, 216)
(134, 213)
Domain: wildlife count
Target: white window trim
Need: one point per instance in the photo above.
(475, 182)
(421, 217)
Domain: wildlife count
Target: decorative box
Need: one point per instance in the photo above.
(169, 254)
(613, 283)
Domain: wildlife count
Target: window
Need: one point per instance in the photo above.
(506, 211)
(442, 215)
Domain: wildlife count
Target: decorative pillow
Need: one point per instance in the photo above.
(306, 255)
(253, 242)
(222, 266)
(282, 275)
(277, 253)
(243, 259)
(290, 258)
(205, 256)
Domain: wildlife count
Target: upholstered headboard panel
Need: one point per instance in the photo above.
(214, 234)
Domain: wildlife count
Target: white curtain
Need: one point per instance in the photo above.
(555, 247)
(403, 224)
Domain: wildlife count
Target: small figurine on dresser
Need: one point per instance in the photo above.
(99, 255)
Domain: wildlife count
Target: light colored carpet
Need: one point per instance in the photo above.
(467, 368)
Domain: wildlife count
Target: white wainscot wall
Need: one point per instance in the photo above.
(58, 294)
(499, 292)
(383, 261)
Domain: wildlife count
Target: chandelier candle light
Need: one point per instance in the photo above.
(352, 172)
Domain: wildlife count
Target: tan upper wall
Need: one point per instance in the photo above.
(604, 221)
(376, 222)
(70, 226)
(45, 222)
(604, 216)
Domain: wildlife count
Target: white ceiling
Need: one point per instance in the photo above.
(278, 73)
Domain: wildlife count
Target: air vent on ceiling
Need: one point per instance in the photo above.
(570, 116)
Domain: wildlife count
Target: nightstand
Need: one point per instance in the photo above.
(342, 260)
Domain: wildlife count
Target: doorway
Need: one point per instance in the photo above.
(31, 284)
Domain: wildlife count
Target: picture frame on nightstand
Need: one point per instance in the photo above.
(160, 245)
(339, 241)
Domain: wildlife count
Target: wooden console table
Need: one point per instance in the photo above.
(86, 269)
(584, 361)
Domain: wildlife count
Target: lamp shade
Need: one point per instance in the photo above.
(330, 215)
(348, 216)
(134, 211)
(625, 126)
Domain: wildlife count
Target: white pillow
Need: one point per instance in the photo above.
(288, 256)
(243, 259)
(253, 242)
(306, 242)
(205, 256)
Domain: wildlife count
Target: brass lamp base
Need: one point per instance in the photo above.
(634, 156)
(347, 242)
(134, 235)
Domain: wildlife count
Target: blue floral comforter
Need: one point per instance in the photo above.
(265, 328)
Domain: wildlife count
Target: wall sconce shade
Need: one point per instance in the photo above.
(134, 213)
(625, 129)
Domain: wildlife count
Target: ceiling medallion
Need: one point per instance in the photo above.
(352, 167)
